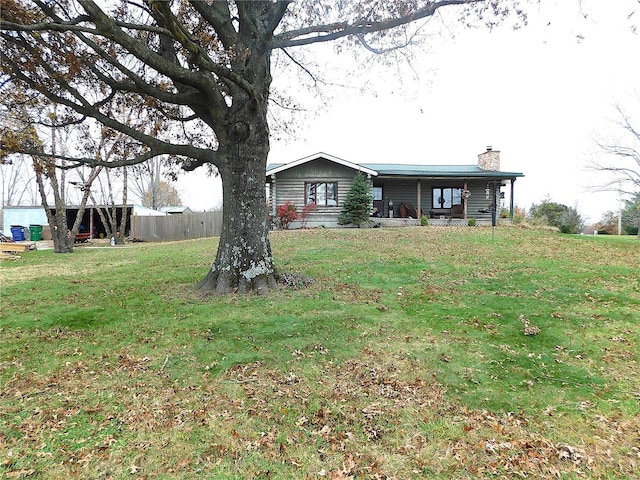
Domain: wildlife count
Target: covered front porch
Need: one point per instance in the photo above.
(445, 192)
(443, 200)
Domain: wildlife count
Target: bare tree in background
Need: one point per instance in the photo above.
(16, 171)
(145, 179)
(621, 162)
(19, 127)
(109, 189)
(622, 158)
(48, 173)
(164, 194)
(18, 181)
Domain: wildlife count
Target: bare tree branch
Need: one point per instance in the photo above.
(302, 67)
(624, 165)
(334, 31)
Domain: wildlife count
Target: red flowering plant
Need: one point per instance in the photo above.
(287, 213)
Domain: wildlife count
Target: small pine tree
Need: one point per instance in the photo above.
(355, 209)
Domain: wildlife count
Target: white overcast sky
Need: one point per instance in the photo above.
(540, 95)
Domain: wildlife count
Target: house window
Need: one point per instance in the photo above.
(377, 193)
(446, 197)
(322, 193)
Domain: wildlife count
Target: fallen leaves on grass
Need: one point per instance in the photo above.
(528, 328)
(363, 418)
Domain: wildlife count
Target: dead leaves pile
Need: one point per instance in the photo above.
(528, 328)
(368, 417)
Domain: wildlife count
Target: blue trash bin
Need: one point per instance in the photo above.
(17, 233)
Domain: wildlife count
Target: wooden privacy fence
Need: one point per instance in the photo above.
(183, 226)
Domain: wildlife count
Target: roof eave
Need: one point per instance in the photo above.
(316, 156)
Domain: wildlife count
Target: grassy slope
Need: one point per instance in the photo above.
(406, 358)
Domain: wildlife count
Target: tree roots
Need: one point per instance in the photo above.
(226, 283)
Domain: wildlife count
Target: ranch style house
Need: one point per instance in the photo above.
(446, 194)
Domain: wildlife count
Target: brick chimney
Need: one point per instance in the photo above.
(489, 160)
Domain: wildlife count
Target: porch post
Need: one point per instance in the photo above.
(419, 195)
(511, 204)
(465, 188)
(370, 183)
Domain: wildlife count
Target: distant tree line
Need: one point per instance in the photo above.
(568, 219)
(564, 218)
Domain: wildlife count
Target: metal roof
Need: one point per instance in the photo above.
(401, 170)
(444, 171)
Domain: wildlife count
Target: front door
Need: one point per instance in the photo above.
(378, 203)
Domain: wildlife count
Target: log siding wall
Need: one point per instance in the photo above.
(290, 185)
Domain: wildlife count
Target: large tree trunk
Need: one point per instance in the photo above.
(244, 262)
(62, 241)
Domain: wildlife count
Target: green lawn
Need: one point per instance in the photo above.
(419, 352)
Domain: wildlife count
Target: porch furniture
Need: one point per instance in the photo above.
(457, 211)
(407, 210)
